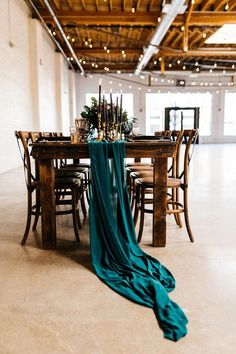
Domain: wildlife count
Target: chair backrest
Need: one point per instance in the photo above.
(177, 136)
(163, 133)
(23, 140)
(190, 136)
(35, 135)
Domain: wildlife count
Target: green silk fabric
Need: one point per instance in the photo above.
(116, 256)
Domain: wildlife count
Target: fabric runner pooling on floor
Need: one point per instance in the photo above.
(116, 256)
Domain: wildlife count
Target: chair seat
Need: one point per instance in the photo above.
(67, 174)
(142, 174)
(136, 164)
(67, 182)
(147, 181)
(140, 168)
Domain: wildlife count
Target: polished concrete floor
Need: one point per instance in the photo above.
(52, 302)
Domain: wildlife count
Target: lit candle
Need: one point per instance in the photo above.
(117, 110)
(112, 113)
(121, 107)
(103, 109)
(99, 98)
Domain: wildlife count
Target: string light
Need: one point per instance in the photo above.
(159, 20)
(204, 35)
(133, 10)
(226, 7)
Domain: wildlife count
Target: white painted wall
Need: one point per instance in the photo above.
(37, 91)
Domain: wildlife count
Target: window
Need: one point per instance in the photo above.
(127, 101)
(230, 114)
(157, 102)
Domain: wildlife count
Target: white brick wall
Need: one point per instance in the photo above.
(15, 83)
(35, 89)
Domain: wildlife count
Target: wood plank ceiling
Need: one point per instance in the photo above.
(109, 35)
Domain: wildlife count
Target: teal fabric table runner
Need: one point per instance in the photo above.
(116, 256)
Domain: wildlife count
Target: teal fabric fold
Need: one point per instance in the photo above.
(116, 256)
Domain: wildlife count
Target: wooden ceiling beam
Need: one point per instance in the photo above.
(205, 18)
(102, 52)
(219, 3)
(83, 5)
(102, 18)
(185, 34)
(205, 4)
(209, 52)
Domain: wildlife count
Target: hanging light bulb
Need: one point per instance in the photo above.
(226, 7)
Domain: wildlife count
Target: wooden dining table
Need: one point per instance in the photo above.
(47, 151)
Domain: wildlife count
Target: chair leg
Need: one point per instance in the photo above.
(140, 233)
(175, 197)
(37, 210)
(75, 214)
(28, 222)
(133, 193)
(186, 215)
(136, 207)
(82, 201)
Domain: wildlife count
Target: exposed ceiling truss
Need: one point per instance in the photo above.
(111, 35)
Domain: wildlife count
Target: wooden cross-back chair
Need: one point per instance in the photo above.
(178, 181)
(63, 183)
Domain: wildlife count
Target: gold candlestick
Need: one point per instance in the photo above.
(99, 137)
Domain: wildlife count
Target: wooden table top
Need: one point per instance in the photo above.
(64, 149)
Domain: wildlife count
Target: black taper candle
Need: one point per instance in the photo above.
(121, 108)
(99, 98)
(112, 113)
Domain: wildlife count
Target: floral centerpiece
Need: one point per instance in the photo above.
(110, 113)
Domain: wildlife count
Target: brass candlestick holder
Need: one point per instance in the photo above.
(100, 135)
(104, 131)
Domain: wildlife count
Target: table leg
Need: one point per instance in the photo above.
(159, 202)
(47, 195)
